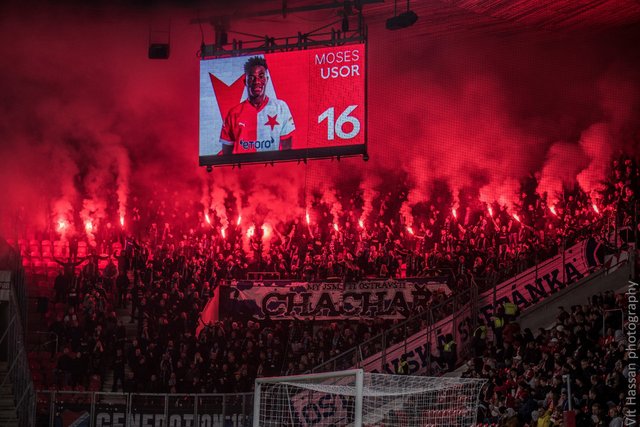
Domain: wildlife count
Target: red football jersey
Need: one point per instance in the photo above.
(250, 129)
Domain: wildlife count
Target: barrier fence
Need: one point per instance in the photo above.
(12, 344)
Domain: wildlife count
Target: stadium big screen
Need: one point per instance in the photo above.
(315, 106)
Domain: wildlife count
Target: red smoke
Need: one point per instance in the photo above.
(88, 123)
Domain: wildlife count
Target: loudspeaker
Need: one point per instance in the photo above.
(158, 51)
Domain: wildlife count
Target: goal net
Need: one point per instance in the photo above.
(358, 399)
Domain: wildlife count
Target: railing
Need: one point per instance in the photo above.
(18, 284)
(101, 409)
(263, 275)
(424, 322)
(18, 374)
(403, 331)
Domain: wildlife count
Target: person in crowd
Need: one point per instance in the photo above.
(175, 271)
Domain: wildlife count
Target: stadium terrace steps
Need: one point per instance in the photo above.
(544, 314)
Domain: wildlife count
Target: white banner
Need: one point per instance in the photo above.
(285, 300)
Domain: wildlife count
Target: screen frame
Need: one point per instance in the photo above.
(300, 154)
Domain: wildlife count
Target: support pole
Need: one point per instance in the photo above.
(359, 392)
(256, 404)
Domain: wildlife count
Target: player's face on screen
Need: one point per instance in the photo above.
(256, 81)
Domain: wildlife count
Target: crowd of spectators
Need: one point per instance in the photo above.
(493, 242)
(165, 275)
(534, 378)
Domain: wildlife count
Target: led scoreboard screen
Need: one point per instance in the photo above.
(283, 106)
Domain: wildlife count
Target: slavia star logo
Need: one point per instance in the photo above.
(273, 121)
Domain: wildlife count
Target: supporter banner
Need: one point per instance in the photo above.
(283, 300)
(539, 282)
(421, 349)
(525, 290)
(119, 418)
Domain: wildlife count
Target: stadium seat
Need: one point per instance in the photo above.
(37, 266)
(34, 248)
(82, 249)
(47, 250)
(58, 249)
(24, 250)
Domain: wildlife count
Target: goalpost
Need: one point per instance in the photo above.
(354, 398)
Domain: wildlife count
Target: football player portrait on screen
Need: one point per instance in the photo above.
(259, 123)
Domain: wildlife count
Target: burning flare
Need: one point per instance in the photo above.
(553, 210)
(361, 223)
(410, 230)
(239, 220)
(88, 226)
(62, 224)
(251, 231)
(307, 217)
(490, 212)
(455, 214)
(516, 217)
(206, 218)
(335, 227)
(122, 220)
(595, 208)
